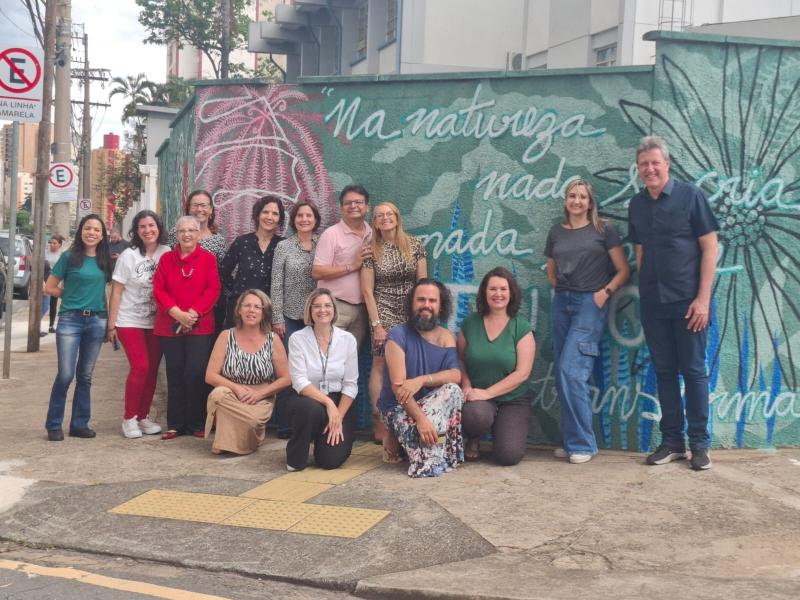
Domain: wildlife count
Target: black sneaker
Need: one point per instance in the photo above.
(665, 454)
(701, 459)
(82, 432)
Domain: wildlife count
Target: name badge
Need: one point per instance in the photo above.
(324, 387)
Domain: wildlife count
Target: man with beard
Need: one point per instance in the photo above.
(421, 401)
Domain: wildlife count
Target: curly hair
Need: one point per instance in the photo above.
(445, 299)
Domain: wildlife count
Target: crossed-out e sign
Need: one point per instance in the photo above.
(63, 183)
(21, 84)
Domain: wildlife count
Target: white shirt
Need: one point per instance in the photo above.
(137, 307)
(306, 361)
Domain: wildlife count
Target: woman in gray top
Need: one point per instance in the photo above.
(291, 285)
(586, 265)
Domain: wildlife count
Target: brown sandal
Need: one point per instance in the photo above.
(391, 450)
(472, 450)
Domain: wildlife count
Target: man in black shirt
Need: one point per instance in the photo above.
(675, 237)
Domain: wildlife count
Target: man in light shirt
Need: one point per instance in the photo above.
(340, 252)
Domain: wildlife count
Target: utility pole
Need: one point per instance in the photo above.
(42, 175)
(63, 112)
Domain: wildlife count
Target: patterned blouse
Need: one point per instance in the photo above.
(248, 368)
(214, 243)
(394, 278)
(246, 267)
(291, 278)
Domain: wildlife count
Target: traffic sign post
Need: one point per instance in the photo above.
(21, 84)
(63, 184)
(84, 207)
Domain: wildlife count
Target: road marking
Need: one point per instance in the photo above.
(113, 583)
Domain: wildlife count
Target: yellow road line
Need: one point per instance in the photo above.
(125, 585)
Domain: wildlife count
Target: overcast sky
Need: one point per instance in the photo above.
(115, 43)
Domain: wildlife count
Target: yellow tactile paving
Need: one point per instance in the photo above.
(333, 476)
(268, 514)
(183, 506)
(362, 462)
(287, 489)
(368, 450)
(339, 521)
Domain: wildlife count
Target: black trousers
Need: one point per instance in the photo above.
(186, 358)
(308, 418)
(53, 310)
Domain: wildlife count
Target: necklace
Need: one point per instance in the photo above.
(185, 274)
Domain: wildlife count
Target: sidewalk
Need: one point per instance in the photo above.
(611, 528)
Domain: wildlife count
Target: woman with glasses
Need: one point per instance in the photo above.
(323, 363)
(185, 287)
(248, 262)
(586, 265)
(398, 261)
(132, 315)
(247, 368)
(200, 206)
(83, 271)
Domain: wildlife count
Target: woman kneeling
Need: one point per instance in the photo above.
(247, 368)
(323, 362)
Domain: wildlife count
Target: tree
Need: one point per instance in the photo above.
(195, 22)
(175, 92)
(136, 90)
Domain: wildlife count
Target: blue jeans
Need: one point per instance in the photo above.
(78, 343)
(675, 350)
(577, 327)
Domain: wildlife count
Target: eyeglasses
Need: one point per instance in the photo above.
(200, 205)
(185, 231)
(387, 215)
(353, 203)
(252, 307)
(327, 306)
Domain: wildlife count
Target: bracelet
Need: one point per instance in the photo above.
(430, 379)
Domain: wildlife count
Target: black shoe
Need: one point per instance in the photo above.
(52, 329)
(665, 454)
(284, 434)
(82, 433)
(55, 435)
(701, 460)
(42, 333)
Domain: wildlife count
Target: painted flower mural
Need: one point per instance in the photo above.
(740, 141)
(251, 143)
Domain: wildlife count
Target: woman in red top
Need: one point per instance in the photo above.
(186, 287)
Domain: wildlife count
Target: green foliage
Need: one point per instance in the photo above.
(119, 180)
(195, 22)
(175, 92)
(24, 222)
(136, 90)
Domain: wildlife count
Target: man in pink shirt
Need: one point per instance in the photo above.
(340, 252)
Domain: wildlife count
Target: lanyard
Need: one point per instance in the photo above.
(323, 359)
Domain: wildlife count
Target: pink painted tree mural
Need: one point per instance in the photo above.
(251, 143)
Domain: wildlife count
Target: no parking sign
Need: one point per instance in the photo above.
(63, 185)
(21, 84)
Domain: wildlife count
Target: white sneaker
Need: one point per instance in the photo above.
(560, 453)
(149, 427)
(130, 428)
(290, 468)
(578, 458)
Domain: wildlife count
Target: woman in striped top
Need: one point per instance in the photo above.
(247, 368)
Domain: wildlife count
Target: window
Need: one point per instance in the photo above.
(391, 20)
(361, 32)
(605, 56)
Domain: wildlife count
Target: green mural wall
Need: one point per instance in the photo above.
(478, 163)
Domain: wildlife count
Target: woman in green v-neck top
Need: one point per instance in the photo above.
(496, 349)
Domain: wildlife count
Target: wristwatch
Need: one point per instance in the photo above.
(375, 323)
(609, 292)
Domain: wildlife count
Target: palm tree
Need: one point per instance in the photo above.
(136, 90)
(175, 92)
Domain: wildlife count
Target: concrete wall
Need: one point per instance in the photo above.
(478, 165)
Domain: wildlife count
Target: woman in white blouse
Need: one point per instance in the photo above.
(323, 364)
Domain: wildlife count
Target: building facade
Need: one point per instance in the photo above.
(375, 37)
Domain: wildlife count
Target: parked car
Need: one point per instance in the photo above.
(23, 262)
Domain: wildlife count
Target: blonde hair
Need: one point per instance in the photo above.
(307, 318)
(266, 310)
(594, 216)
(401, 238)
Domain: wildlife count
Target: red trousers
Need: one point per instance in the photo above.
(144, 355)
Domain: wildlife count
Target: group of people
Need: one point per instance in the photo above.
(272, 328)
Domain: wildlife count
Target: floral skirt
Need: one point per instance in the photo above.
(443, 407)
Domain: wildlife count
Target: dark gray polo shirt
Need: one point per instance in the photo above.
(668, 228)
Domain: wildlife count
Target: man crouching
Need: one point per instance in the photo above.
(421, 400)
